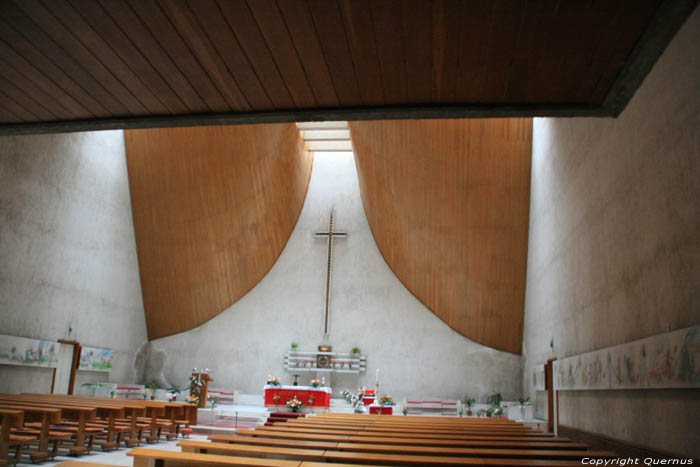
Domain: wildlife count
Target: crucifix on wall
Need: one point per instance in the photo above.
(330, 235)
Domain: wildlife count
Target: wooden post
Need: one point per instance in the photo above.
(549, 386)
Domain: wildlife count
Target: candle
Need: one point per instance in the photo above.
(377, 375)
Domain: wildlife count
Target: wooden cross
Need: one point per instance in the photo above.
(330, 235)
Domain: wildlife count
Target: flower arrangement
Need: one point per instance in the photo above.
(386, 400)
(481, 413)
(295, 404)
(213, 400)
(295, 346)
(112, 393)
(404, 410)
(498, 412)
(193, 400)
(144, 393)
(315, 382)
(311, 401)
(347, 395)
(469, 402)
(171, 396)
(276, 399)
(273, 380)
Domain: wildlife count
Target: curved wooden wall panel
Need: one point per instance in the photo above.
(213, 208)
(448, 204)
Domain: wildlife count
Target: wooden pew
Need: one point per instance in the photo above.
(225, 449)
(150, 457)
(397, 433)
(83, 464)
(109, 410)
(10, 419)
(80, 415)
(418, 460)
(233, 439)
(46, 416)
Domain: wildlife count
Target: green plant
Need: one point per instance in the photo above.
(404, 410)
(295, 346)
(355, 351)
(494, 400)
(469, 402)
(153, 385)
(524, 401)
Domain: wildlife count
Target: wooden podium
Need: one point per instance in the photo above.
(205, 379)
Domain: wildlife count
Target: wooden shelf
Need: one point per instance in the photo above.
(292, 358)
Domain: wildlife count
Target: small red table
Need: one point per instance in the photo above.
(321, 395)
(381, 409)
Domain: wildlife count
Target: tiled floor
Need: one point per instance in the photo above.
(119, 456)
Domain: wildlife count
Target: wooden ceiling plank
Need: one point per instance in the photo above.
(16, 108)
(448, 204)
(68, 30)
(387, 29)
(502, 41)
(472, 61)
(202, 240)
(416, 18)
(49, 102)
(19, 61)
(299, 23)
(98, 47)
(226, 44)
(630, 26)
(528, 51)
(27, 17)
(269, 19)
(447, 44)
(362, 42)
(246, 30)
(333, 39)
(99, 20)
(173, 44)
(132, 26)
(183, 19)
(23, 99)
(6, 116)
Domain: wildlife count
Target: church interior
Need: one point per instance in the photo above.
(349, 232)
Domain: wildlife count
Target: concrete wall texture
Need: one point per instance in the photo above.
(614, 250)
(67, 249)
(418, 355)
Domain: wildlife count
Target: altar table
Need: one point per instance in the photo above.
(321, 395)
(381, 409)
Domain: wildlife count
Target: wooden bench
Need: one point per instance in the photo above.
(233, 439)
(150, 457)
(226, 449)
(45, 416)
(83, 464)
(404, 434)
(416, 460)
(10, 419)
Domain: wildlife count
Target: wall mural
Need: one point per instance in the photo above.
(668, 360)
(94, 359)
(31, 352)
(538, 378)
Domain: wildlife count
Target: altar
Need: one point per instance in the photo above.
(321, 396)
(379, 409)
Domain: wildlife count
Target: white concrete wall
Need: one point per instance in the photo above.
(419, 355)
(614, 249)
(67, 249)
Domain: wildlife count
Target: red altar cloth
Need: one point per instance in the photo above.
(381, 409)
(322, 396)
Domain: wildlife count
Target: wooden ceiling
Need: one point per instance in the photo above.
(213, 209)
(448, 204)
(69, 65)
